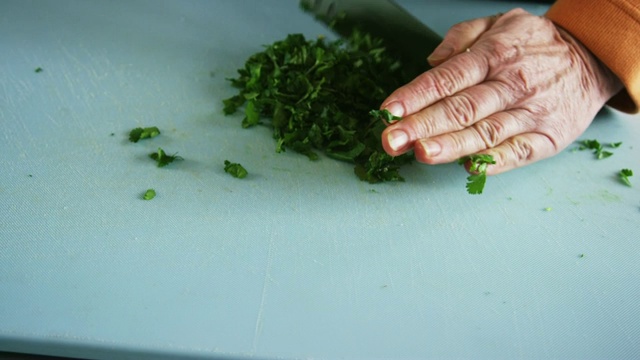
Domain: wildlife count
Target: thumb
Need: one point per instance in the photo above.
(460, 37)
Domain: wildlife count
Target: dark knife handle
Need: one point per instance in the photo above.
(400, 31)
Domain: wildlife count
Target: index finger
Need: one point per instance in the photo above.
(460, 72)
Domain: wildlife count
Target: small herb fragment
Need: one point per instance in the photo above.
(234, 169)
(384, 115)
(38, 70)
(149, 194)
(138, 134)
(624, 176)
(478, 168)
(162, 158)
(598, 148)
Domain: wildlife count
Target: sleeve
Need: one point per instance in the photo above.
(610, 29)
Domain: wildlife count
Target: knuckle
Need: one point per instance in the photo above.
(444, 82)
(501, 53)
(522, 151)
(490, 131)
(462, 108)
(421, 126)
(461, 28)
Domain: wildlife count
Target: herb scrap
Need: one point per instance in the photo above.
(385, 116)
(624, 176)
(234, 169)
(138, 134)
(38, 70)
(598, 148)
(149, 194)
(162, 158)
(316, 96)
(478, 168)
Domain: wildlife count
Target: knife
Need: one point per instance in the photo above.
(401, 33)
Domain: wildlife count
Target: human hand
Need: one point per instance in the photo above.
(513, 86)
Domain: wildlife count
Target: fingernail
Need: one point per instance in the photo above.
(395, 108)
(440, 53)
(397, 139)
(431, 148)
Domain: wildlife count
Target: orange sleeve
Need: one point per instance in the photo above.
(610, 29)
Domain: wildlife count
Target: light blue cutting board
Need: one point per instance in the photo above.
(300, 259)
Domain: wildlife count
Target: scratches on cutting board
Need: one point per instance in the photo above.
(263, 297)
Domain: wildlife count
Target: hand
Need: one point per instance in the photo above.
(513, 86)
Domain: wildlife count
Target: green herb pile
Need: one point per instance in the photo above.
(317, 94)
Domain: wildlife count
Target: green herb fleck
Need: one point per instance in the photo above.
(162, 158)
(624, 176)
(138, 134)
(234, 169)
(384, 115)
(38, 70)
(149, 194)
(598, 148)
(478, 168)
(581, 255)
(316, 96)
(547, 209)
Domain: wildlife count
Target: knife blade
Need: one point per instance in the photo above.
(403, 34)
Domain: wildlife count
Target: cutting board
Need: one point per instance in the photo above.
(300, 259)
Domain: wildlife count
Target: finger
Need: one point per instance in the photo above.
(485, 134)
(451, 114)
(459, 73)
(460, 37)
(521, 150)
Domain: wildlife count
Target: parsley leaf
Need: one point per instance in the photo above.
(138, 134)
(316, 96)
(384, 115)
(598, 148)
(624, 176)
(478, 168)
(162, 158)
(234, 169)
(149, 194)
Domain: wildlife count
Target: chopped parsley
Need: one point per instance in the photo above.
(149, 194)
(316, 96)
(162, 158)
(384, 115)
(478, 168)
(624, 176)
(598, 148)
(138, 134)
(234, 169)
(38, 70)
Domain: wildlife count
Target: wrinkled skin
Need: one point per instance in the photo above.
(514, 86)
